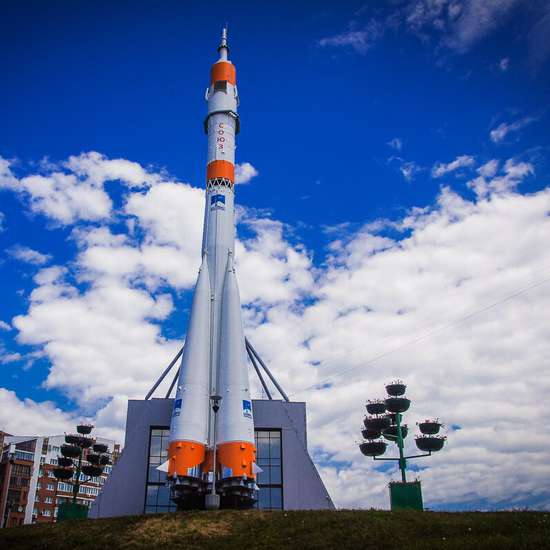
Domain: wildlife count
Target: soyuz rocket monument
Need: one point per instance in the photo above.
(211, 450)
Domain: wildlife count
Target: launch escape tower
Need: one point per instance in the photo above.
(211, 454)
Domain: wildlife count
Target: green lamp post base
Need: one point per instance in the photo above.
(69, 510)
(406, 496)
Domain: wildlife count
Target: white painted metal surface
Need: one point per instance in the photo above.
(235, 417)
(191, 405)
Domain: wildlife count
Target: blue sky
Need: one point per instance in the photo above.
(372, 127)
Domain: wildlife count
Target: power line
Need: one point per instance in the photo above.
(428, 334)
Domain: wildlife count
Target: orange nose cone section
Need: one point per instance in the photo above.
(239, 456)
(183, 455)
(223, 70)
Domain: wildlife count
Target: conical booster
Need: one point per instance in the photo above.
(189, 425)
(236, 449)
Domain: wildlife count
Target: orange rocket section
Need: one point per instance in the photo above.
(223, 71)
(220, 169)
(239, 456)
(183, 455)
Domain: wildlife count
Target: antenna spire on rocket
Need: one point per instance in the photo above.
(223, 48)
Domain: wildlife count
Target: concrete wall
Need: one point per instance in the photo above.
(124, 491)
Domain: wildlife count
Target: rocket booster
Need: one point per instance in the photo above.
(214, 357)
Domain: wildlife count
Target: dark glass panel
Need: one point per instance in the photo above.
(262, 449)
(276, 498)
(163, 496)
(275, 447)
(154, 474)
(263, 477)
(151, 499)
(155, 446)
(275, 475)
(264, 498)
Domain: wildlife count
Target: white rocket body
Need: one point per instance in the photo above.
(214, 357)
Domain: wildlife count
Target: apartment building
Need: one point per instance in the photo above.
(29, 491)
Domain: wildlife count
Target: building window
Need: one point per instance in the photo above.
(48, 500)
(269, 459)
(50, 487)
(157, 498)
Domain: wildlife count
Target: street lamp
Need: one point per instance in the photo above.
(212, 499)
(385, 420)
(69, 467)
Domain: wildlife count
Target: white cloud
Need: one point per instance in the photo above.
(504, 64)
(6, 358)
(27, 417)
(503, 129)
(7, 179)
(28, 255)
(449, 25)
(4, 325)
(2, 219)
(489, 169)
(460, 24)
(97, 169)
(513, 173)
(244, 172)
(480, 374)
(396, 143)
(408, 169)
(398, 299)
(462, 161)
(75, 190)
(270, 269)
(361, 40)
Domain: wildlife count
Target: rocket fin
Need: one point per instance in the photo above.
(188, 429)
(164, 466)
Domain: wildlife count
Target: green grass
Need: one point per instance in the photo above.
(303, 530)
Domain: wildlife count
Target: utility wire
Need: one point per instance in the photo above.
(427, 335)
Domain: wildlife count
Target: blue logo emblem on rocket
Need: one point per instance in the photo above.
(247, 408)
(217, 201)
(177, 407)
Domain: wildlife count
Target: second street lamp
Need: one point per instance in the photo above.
(385, 419)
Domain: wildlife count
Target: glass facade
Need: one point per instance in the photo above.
(157, 499)
(269, 459)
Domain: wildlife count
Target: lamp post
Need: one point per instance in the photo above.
(212, 499)
(73, 450)
(385, 419)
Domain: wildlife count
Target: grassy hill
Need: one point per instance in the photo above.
(303, 530)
